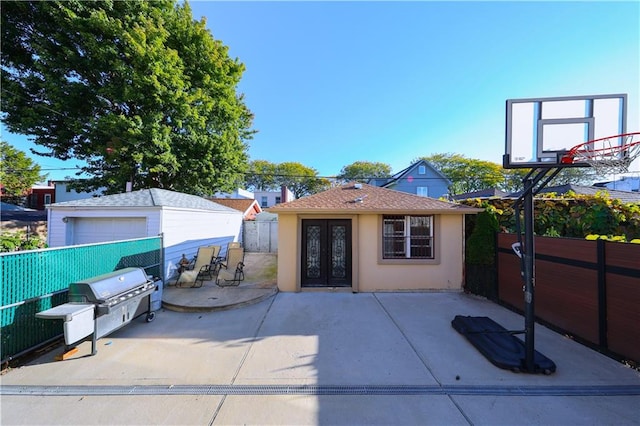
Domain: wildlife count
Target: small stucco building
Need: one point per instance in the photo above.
(365, 238)
(185, 222)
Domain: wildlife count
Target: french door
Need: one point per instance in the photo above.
(326, 253)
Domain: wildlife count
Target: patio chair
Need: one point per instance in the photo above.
(226, 278)
(200, 269)
(234, 255)
(224, 259)
(216, 255)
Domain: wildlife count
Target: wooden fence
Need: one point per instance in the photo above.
(590, 289)
(260, 236)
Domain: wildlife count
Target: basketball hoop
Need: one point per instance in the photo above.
(610, 155)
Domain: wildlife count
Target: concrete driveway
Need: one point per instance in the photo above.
(319, 358)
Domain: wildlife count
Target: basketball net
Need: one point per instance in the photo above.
(611, 155)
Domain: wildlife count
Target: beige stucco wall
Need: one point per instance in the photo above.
(446, 274)
(369, 272)
(288, 253)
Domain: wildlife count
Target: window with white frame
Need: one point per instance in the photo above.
(264, 201)
(422, 191)
(422, 169)
(407, 237)
(47, 199)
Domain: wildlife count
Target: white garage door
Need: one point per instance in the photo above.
(96, 229)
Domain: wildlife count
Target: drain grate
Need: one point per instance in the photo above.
(319, 390)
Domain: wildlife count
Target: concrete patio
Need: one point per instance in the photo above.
(259, 284)
(318, 358)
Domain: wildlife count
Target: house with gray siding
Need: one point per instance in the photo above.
(420, 178)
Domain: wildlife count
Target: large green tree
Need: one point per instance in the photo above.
(261, 176)
(469, 175)
(138, 90)
(18, 172)
(362, 171)
(300, 179)
(466, 174)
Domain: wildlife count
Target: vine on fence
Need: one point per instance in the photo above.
(571, 215)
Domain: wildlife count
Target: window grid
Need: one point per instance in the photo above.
(407, 237)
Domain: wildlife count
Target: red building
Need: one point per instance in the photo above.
(40, 196)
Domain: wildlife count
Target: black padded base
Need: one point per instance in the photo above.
(499, 346)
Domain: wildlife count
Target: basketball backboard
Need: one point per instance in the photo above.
(540, 130)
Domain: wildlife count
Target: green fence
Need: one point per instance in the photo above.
(35, 280)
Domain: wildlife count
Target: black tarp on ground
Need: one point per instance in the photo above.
(499, 345)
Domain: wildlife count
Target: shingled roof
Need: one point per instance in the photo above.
(363, 198)
(153, 197)
(240, 204)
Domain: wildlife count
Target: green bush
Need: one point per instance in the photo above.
(481, 243)
(18, 240)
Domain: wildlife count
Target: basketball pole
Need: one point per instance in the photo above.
(529, 277)
(531, 188)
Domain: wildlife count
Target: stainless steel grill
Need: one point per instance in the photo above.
(102, 304)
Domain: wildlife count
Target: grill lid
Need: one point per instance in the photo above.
(102, 287)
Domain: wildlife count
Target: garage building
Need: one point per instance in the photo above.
(185, 221)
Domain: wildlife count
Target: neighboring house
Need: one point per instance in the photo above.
(420, 178)
(483, 194)
(272, 198)
(37, 197)
(185, 222)
(626, 183)
(264, 198)
(63, 192)
(40, 196)
(238, 193)
(365, 238)
(249, 207)
(624, 196)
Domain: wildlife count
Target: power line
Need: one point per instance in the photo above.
(30, 99)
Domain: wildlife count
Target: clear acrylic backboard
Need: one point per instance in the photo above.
(540, 130)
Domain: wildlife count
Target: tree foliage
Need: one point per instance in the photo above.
(300, 179)
(466, 174)
(469, 175)
(261, 176)
(362, 171)
(138, 90)
(18, 172)
(571, 215)
(569, 175)
(480, 245)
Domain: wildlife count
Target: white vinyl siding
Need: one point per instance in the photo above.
(97, 230)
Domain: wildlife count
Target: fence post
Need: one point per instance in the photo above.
(602, 293)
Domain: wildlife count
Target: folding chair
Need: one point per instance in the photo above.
(227, 278)
(234, 255)
(199, 270)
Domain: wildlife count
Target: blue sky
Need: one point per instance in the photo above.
(331, 83)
